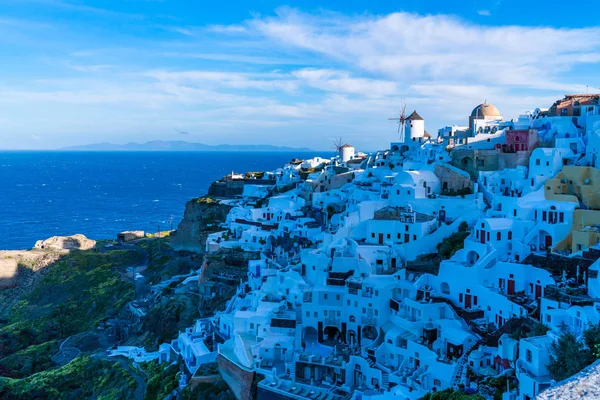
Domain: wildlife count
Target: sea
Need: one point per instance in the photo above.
(99, 194)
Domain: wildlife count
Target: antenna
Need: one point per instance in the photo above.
(401, 120)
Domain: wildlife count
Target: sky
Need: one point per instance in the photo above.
(292, 74)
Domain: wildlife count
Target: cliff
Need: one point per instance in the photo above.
(78, 241)
(201, 217)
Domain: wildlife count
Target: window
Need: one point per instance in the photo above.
(528, 355)
(509, 235)
(251, 325)
(475, 300)
(364, 310)
(406, 228)
(398, 235)
(372, 234)
(389, 236)
(480, 162)
(316, 314)
(325, 296)
(515, 212)
(376, 312)
(537, 161)
(561, 217)
(337, 297)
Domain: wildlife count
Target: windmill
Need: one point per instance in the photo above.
(338, 144)
(401, 120)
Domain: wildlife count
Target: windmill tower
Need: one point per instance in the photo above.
(344, 151)
(401, 121)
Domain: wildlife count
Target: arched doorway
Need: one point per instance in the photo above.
(472, 258)
(331, 333)
(445, 288)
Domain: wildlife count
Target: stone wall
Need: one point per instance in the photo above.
(238, 380)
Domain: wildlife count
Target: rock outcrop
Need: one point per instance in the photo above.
(201, 217)
(78, 241)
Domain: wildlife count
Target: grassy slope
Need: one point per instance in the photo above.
(76, 292)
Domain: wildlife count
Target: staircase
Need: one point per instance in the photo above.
(385, 381)
(293, 366)
(460, 374)
(370, 362)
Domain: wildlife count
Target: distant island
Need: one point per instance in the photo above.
(160, 145)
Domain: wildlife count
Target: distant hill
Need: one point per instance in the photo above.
(160, 145)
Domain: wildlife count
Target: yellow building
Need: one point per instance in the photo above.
(581, 185)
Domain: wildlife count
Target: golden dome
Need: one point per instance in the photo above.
(485, 110)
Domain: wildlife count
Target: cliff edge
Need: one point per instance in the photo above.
(202, 216)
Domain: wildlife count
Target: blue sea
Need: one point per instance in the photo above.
(99, 194)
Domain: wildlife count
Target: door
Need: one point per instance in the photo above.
(548, 241)
(394, 263)
(482, 237)
(538, 291)
(278, 355)
(381, 238)
(511, 286)
(467, 301)
(406, 238)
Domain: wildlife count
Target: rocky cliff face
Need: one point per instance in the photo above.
(201, 217)
(78, 241)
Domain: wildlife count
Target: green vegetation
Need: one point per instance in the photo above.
(522, 331)
(206, 200)
(34, 358)
(74, 295)
(569, 356)
(164, 320)
(450, 394)
(454, 242)
(84, 377)
(500, 384)
(162, 379)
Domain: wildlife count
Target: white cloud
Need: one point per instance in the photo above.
(228, 29)
(485, 13)
(296, 73)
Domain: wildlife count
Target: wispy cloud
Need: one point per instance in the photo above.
(296, 76)
(228, 29)
(485, 13)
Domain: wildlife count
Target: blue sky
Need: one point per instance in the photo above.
(301, 74)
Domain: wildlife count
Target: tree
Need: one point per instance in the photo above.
(591, 336)
(568, 356)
